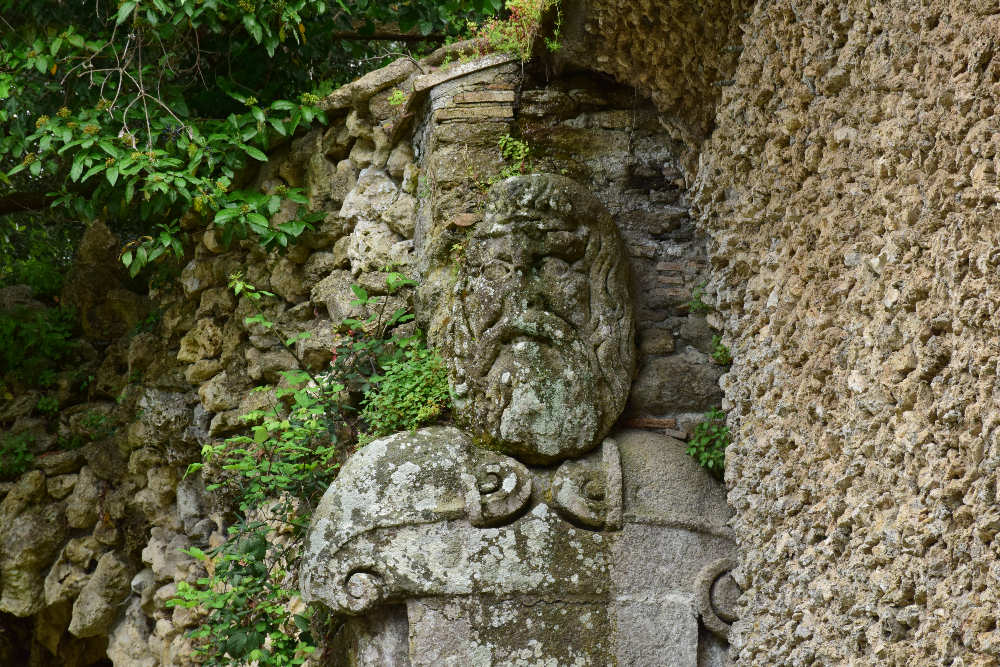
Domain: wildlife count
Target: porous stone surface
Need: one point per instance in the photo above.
(540, 340)
(850, 190)
(697, 46)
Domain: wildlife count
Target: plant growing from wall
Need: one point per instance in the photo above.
(516, 34)
(696, 304)
(15, 456)
(281, 468)
(709, 441)
(720, 353)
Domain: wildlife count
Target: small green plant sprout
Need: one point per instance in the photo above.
(516, 154)
(516, 34)
(720, 353)
(709, 441)
(696, 304)
(96, 425)
(48, 405)
(15, 456)
(397, 97)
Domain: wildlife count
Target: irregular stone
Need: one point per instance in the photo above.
(287, 281)
(363, 154)
(29, 542)
(81, 505)
(60, 463)
(204, 341)
(374, 193)
(216, 302)
(679, 382)
(128, 641)
(190, 500)
(220, 393)
(97, 605)
(60, 486)
(202, 370)
(163, 555)
(71, 570)
(267, 366)
(95, 287)
(427, 81)
(17, 296)
(362, 89)
(400, 157)
(374, 246)
(401, 215)
(319, 265)
(143, 585)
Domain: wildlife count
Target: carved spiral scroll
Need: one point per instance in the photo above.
(718, 594)
(500, 490)
(364, 590)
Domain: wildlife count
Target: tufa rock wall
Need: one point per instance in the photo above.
(851, 193)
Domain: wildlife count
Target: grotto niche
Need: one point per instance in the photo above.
(528, 534)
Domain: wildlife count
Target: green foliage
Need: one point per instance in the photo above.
(139, 111)
(516, 34)
(15, 456)
(33, 342)
(278, 473)
(709, 441)
(44, 277)
(411, 393)
(96, 425)
(397, 98)
(47, 405)
(696, 305)
(516, 153)
(720, 353)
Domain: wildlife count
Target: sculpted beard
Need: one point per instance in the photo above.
(534, 377)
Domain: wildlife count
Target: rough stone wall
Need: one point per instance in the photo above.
(92, 583)
(851, 192)
(679, 53)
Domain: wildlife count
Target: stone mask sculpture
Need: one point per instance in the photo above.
(540, 335)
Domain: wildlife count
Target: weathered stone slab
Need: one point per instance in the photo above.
(427, 81)
(503, 111)
(485, 97)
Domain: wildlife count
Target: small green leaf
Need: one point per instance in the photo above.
(226, 214)
(124, 11)
(255, 153)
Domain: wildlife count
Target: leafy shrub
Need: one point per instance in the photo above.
(709, 441)
(34, 341)
(280, 470)
(517, 33)
(44, 277)
(411, 393)
(47, 405)
(15, 457)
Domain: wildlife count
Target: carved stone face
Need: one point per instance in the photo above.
(540, 341)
